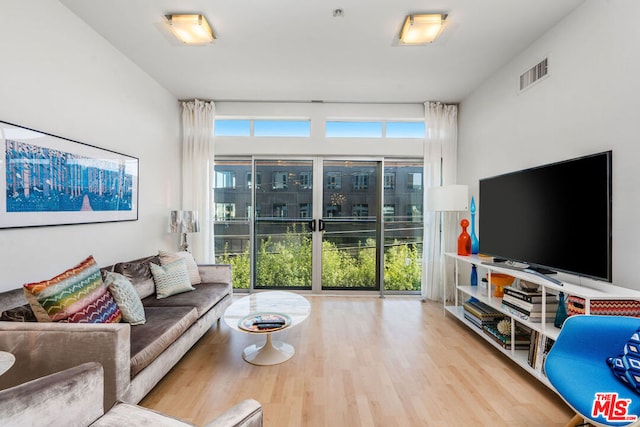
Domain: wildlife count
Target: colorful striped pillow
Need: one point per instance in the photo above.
(76, 296)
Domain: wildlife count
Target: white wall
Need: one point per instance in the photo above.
(60, 77)
(589, 103)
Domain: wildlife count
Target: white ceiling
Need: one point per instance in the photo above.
(295, 50)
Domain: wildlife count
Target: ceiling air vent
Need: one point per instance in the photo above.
(534, 74)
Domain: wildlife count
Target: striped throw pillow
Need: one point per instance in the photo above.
(76, 296)
(171, 278)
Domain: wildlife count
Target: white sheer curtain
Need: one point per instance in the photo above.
(440, 160)
(197, 160)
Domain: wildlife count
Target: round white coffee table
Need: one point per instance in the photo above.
(286, 305)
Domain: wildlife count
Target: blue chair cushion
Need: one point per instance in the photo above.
(626, 366)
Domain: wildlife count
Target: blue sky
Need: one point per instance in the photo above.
(334, 129)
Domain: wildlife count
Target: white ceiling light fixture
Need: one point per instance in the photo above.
(190, 29)
(422, 28)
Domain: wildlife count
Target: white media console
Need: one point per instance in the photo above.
(483, 292)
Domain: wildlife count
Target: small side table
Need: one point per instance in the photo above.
(6, 361)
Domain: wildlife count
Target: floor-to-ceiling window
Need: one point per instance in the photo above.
(303, 219)
(403, 224)
(271, 245)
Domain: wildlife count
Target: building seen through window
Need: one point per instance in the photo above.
(286, 193)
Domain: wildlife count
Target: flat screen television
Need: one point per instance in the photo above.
(554, 217)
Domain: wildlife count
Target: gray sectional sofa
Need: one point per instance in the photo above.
(73, 398)
(134, 358)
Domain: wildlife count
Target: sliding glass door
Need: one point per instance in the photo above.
(351, 226)
(283, 193)
(403, 225)
(320, 224)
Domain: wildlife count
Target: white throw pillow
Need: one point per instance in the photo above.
(192, 267)
(171, 279)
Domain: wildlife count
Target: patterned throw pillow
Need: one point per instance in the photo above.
(171, 278)
(192, 266)
(626, 366)
(77, 296)
(126, 297)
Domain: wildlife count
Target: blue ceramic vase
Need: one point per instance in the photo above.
(475, 244)
(474, 275)
(561, 314)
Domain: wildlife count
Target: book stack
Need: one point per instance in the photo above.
(481, 314)
(538, 350)
(523, 337)
(527, 305)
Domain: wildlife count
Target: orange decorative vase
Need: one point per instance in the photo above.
(464, 240)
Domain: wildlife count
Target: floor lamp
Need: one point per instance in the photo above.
(448, 198)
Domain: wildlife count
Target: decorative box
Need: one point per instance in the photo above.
(576, 305)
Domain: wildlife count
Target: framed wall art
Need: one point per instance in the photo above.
(49, 180)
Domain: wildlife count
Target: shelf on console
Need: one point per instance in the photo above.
(547, 331)
(546, 328)
(520, 357)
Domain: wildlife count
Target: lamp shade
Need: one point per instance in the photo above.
(183, 222)
(448, 198)
(190, 222)
(175, 221)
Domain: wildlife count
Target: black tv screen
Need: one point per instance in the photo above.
(556, 216)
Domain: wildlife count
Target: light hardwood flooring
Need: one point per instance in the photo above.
(362, 361)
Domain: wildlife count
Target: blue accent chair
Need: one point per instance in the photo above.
(577, 368)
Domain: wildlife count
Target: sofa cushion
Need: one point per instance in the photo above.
(126, 297)
(203, 297)
(12, 298)
(171, 279)
(139, 273)
(21, 313)
(164, 325)
(78, 295)
(192, 267)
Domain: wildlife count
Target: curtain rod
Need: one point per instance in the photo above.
(194, 99)
(312, 102)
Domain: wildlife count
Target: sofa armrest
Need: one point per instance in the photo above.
(247, 413)
(72, 397)
(44, 348)
(215, 273)
(125, 414)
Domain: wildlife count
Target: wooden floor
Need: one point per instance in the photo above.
(362, 361)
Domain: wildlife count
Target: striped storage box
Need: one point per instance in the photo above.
(576, 305)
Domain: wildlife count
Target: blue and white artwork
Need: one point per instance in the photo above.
(50, 180)
(41, 179)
